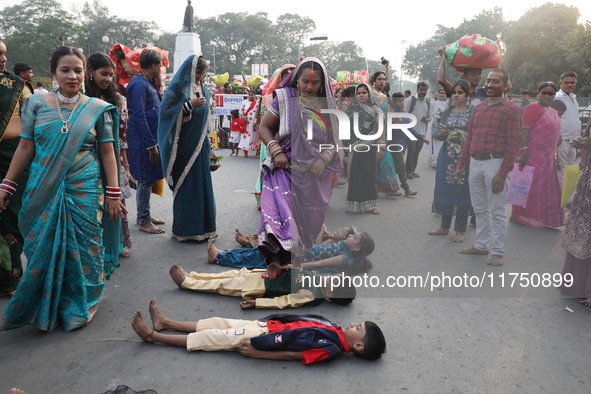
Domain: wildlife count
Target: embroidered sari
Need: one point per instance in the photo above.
(293, 202)
(11, 240)
(185, 150)
(543, 201)
(386, 172)
(71, 248)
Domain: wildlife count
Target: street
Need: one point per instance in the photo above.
(489, 331)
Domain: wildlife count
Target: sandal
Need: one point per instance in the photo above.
(273, 270)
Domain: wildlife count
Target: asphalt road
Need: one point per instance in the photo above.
(446, 338)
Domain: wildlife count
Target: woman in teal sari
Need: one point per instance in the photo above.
(185, 151)
(71, 247)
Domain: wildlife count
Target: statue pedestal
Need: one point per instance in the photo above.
(187, 44)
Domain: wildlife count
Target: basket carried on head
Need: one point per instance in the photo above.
(473, 51)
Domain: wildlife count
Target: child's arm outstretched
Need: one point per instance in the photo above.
(247, 350)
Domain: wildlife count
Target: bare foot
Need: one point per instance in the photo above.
(151, 229)
(212, 251)
(178, 274)
(459, 237)
(141, 328)
(17, 391)
(495, 260)
(158, 319)
(409, 193)
(586, 302)
(439, 231)
(272, 271)
(153, 220)
(473, 250)
(126, 253)
(241, 238)
(437, 215)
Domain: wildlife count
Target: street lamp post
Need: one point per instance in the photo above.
(105, 41)
(401, 59)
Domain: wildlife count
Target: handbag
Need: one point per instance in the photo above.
(520, 185)
(571, 177)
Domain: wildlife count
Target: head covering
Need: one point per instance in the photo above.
(273, 83)
(132, 58)
(177, 156)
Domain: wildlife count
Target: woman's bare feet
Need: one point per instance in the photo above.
(178, 274)
(141, 328)
(126, 253)
(459, 237)
(272, 271)
(242, 239)
(150, 228)
(212, 250)
(14, 390)
(586, 302)
(439, 231)
(158, 319)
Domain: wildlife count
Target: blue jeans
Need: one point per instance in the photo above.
(142, 198)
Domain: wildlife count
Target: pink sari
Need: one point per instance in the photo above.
(543, 202)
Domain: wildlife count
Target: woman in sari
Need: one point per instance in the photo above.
(99, 83)
(577, 232)
(386, 172)
(452, 197)
(71, 230)
(539, 139)
(268, 96)
(362, 195)
(186, 150)
(297, 179)
(12, 97)
(249, 140)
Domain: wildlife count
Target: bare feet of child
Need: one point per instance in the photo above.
(212, 251)
(459, 237)
(158, 319)
(141, 328)
(17, 391)
(242, 238)
(178, 274)
(439, 231)
(586, 302)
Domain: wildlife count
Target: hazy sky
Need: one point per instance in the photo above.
(379, 29)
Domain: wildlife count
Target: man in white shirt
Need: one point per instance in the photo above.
(570, 124)
(40, 89)
(420, 107)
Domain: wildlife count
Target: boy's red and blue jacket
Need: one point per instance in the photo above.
(317, 338)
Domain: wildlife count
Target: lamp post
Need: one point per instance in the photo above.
(401, 59)
(105, 41)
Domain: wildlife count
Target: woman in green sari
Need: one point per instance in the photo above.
(71, 142)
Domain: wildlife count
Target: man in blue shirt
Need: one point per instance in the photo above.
(143, 105)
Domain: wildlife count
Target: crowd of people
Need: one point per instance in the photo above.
(69, 156)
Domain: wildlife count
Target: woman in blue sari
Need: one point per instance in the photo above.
(185, 150)
(71, 247)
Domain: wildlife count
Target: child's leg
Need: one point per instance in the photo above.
(161, 322)
(148, 335)
(229, 283)
(224, 334)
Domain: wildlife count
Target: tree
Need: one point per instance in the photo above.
(422, 61)
(577, 49)
(535, 50)
(33, 29)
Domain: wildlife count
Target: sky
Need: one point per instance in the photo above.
(385, 29)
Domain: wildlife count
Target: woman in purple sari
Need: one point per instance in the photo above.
(297, 172)
(539, 138)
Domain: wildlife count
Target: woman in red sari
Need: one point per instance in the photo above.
(539, 138)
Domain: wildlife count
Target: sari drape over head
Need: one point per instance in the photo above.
(185, 150)
(293, 202)
(71, 247)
